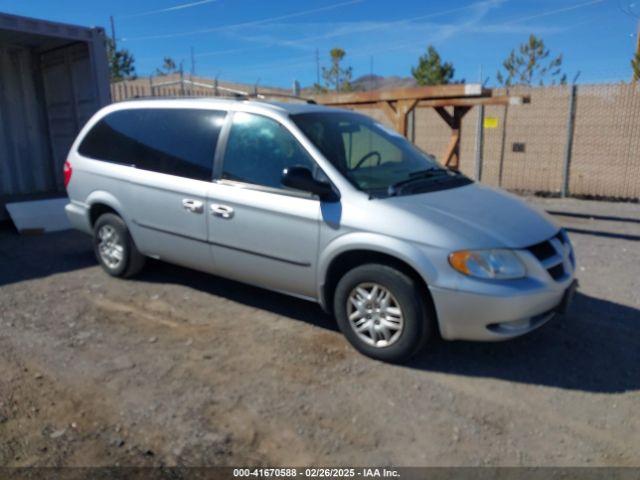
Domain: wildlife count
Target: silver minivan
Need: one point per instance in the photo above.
(319, 203)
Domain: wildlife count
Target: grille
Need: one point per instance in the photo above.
(542, 250)
(556, 272)
(550, 254)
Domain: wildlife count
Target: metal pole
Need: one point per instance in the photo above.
(411, 126)
(181, 80)
(479, 143)
(479, 138)
(503, 142)
(635, 78)
(569, 145)
(193, 64)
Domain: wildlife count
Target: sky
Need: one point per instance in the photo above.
(274, 42)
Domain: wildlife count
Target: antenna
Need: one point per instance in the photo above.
(317, 67)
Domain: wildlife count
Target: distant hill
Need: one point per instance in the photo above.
(376, 82)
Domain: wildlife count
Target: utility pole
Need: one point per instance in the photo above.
(371, 73)
(317, 68)
(182, 92)
(193, 63)
(113, 33)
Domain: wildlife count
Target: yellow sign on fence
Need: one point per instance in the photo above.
(491, 122)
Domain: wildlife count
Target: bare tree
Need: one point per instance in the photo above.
(336, 77)
(168, 67)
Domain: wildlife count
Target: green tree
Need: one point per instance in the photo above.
(430, 69)
(336, 77)
(318, 89)
(532, 64)
(635, 65)
(121, 62)
(168, 66)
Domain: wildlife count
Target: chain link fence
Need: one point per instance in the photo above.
(540, 147)
(177, 85)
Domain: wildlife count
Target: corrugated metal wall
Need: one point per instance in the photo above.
(71, 98)
(25, 156)
(44, 101)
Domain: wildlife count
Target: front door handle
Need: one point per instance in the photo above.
(222, 211)
(195, 206)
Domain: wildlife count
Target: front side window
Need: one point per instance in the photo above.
(259, 149)
(373, 157)
(173, 141)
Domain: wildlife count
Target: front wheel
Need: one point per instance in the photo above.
(382, 312)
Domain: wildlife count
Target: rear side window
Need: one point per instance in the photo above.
(167, 140)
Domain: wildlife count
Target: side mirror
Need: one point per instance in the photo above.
(301, 178)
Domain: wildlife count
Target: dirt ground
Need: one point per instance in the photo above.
(178, 367)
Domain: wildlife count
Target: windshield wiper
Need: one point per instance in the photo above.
(417, 176)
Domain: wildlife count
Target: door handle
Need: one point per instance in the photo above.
(195, 206)
(222, 211)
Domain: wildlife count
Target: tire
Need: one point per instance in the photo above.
(416, 317)
(122, 258)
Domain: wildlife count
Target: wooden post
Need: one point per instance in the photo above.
(397, 113)
(451, 157)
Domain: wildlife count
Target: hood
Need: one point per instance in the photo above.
(475, 216)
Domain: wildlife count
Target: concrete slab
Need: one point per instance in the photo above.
(39, 216)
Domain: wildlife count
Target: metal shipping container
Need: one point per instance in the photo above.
(53, 77)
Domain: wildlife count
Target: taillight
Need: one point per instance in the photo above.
(66, 172)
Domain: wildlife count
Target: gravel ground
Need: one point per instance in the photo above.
(178, 367)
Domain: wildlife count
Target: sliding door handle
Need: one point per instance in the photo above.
(222, 211)
(195, 206)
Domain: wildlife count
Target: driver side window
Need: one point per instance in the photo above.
(366, 144)
(259, 149)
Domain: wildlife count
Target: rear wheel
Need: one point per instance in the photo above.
(114, 247)
(382, 312)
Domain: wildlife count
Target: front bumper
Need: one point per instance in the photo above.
(485, 317)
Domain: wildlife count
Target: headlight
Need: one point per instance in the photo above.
(497, 264)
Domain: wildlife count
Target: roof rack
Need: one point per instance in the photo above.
(231, 95)
(264, 96)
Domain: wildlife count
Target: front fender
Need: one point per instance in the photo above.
(404, 251)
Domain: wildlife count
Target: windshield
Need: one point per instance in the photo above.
(373, 157)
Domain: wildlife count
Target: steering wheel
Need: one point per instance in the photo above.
(366, 157)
